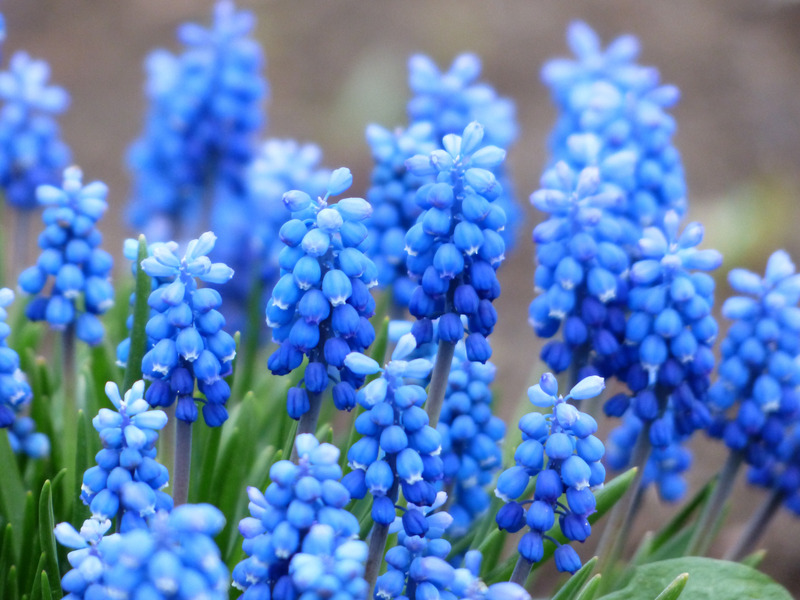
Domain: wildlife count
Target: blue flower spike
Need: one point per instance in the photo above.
(71, 261)
(561, 453)
(299, 540)
(321, 305)
(16, 394)
(31, 147)
(186, 330)
(205, 110)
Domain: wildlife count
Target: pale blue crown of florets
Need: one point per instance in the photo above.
(321, 305)
(623, 104)
(186, 327)
(126, 483)
(71, 256)
(470, 438)
(205, 109)
(398, 448)
(582, 268)
(454, 248)
(759, 370)
(299, 538)
(173, 556)
(16, 394)
(562, 453)
(32, 152)
(449, 101)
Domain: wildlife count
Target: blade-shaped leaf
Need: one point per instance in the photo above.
(141, 312)
(574, 583)
(46, 537)
(590, 590)
(674, 589)
(12, 490)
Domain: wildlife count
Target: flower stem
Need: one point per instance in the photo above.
(756, 526)
(712, 511)
(183, 462)
(166, 444)
(377, 545)
(308, 422)
(521, 571)
(438, 386)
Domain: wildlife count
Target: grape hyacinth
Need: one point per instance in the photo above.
(392, 193)
(321, 305)
(299, 539)
(449, 101)
(623, 106)
(32, 152)
(566, 439)
(190, 344)
(581, 275)
(126, 483)
(470, 439)
(71, 256)
(760, 368)
(199, 136)
(672, 328)
(173, 557)
(16, 394)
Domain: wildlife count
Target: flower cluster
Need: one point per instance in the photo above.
(16, 394)
(126, 482)
(780, 469)
(204, 112)
(398, 448)
(470, 439)
(672, 328)
(623, 105)
(454, 248)
(31, 150)
(300, 540)
(321, 304)
(581, 275)
(760, 368)
(174, 556)
(190, 344)
(392, 193)
(71, 256)
(566, 439)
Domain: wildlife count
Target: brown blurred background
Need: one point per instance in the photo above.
(336, 65)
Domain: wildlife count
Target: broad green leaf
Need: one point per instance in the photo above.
(574, 583)
(46, 537)
(590, 590)
(12, 490)
(141, 312)
(674, 589)
(708, 579)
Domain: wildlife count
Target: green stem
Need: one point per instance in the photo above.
(521, 571)
(377, 544)
(438, 386)
(706, 525)
(166, 444)
(308, 422)
(183, 462)
(756, 526)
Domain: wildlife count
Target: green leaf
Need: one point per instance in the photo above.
(36, 588)
(46, 537)
(674, 589)
(141, 312)
(492, 546)
(30, 538)
(590, 590)
(708, 579)
(12, 585)
(47, 592)
(6, 555)
(12, 490)
(574, 583)
(754, 559)
(83, 458)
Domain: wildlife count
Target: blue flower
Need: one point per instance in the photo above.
(454, 248)
(71, 259)
(760, 368)
(126, 483)
(32, 152)
(321, 304)
(299, 538)
(470, 439)
(173, 556)
(205, 109)
(189, 342)
(561, 452)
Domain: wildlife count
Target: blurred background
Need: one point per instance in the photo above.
(334, 66)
